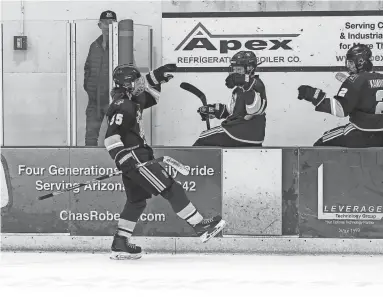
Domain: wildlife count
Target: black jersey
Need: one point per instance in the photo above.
(361, 98)
(125, 125)
(246, 118)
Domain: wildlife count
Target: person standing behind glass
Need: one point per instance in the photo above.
(96, 79)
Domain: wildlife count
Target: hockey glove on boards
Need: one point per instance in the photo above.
(160, 76)
(211, 111)
(238, 80)
(310, 94)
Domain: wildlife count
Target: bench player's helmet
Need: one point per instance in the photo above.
(358, 59)
(243, 62)
(128, 77)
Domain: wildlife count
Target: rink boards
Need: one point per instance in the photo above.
(305, 192)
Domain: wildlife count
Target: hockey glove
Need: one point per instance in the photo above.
(125, 162)
(160, 76)
(217, 110)
(206, 111)
(238, 80)
(310, 94)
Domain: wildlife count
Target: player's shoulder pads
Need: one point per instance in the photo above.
(353, 77)
(356, 80)
(117, 105)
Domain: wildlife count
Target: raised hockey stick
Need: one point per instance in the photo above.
(197, 92)
(165, 159)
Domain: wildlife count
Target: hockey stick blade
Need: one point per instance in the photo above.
(341, 77)
(169, 161)
(197, 92)
(165, 159)
(176, 165)
(194, 90)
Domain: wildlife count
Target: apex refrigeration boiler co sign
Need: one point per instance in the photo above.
(217, 46)
(277, 41)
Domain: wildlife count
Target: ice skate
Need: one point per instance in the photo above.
(123, 250)
(209, 228)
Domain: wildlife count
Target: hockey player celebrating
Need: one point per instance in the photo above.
(244, 118)
(126, 144)
(360, 97)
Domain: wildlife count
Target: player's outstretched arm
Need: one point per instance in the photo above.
(343, 102)
(153, 81)
(341, 105)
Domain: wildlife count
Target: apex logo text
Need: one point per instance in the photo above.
(201, 38)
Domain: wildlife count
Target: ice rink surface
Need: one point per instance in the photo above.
(81, 274)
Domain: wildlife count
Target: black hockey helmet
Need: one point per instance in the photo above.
(358, 58)
(126, 76)
(245, 60)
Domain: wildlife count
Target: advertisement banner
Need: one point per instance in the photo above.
(298, 41)
(203, 187)
(6, 189)
(341, 193)
(26, 174)
(94, 209)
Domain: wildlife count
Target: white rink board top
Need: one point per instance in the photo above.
(279, 41)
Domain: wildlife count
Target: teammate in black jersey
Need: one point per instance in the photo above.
(244, 117)
(360, 97)
(126, 144)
